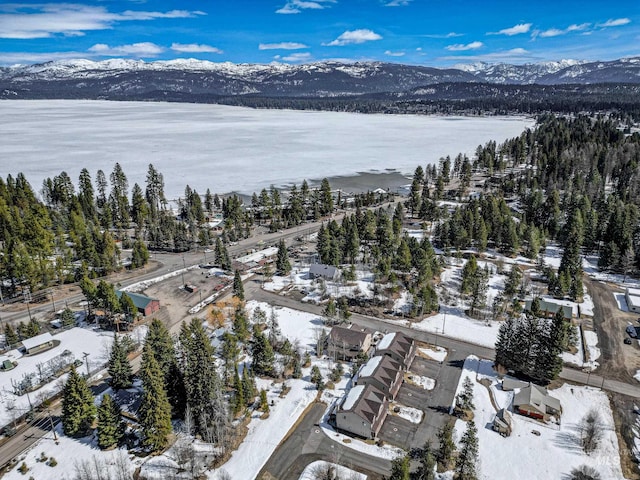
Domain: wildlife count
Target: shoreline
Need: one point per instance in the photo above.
(360, 182)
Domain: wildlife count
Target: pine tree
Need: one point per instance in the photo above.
(263, 356)
(119, 367)
(446, 447)
(159, 341)
(427, 463)
(504, 347)
(238, 288)
(400, 468)
(264, 403)
(238, 403)
(330, 311)
(154, 413)
(249, 388)
(110, 425)
(78, 410)
(240, 325)
(283, 265)
(316, 378)
(10, 335)
(203, 386)
(464, 399)
(139, 254)
(468, 454)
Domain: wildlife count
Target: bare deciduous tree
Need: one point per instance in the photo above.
(591, 431)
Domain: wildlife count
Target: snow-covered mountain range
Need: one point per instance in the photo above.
(85, 78)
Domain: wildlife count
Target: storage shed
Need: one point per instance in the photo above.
(38, 344)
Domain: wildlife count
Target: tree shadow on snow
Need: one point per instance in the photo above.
(569, 438)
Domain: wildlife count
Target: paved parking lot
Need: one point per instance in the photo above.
(398, 431)
(433, 403)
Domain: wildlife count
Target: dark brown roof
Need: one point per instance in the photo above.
(340, 335)
(369, 403)
(382, 368)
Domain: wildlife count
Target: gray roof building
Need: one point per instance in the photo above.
(534, 401)
(328, 272)
(362, 411)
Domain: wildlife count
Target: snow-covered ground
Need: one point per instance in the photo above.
(434, 353)
(408, 413)
(70, 453)
(458, 325)
(265, 435)
(424, 382)
(229, 148)
(551, 453)
(77, 340)
(314, 289)
(310, 471)
(577, 358)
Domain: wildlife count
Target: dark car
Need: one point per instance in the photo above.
(631, 331)
(627, 341)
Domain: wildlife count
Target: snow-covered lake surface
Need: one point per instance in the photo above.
(227, 148)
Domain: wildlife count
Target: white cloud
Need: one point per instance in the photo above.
(24, 21)
(459, 47)
(296, 6)
(555, 32)
(282, 46)
(398, 3)
(194, 48)
(615, 22)
(445, 35)
(552, 32)
(143, 49)
(295, 57)
(394, 54)
(13, 58)
(515, 30)
(354, 37)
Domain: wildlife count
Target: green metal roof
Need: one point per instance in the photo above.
(139, 300)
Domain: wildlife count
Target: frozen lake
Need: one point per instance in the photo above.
(227, 148)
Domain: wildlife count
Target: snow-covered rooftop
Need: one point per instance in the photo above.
(385, 342)
(352, 397)
(370, 367)
(36, 341)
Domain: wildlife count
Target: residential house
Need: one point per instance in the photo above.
(549, 307)
(320, 270)
(38, 344)
(362, 411)
(399, 347)
(632, 296)
(348, 343)
(535, 402)
(382, 372)
(146, 305)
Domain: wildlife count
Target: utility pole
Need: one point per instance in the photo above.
(84, 356)
(53, 302)
(184, 265)
(53, 428)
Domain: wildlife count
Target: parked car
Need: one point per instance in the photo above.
(631, 330)
(627, 341)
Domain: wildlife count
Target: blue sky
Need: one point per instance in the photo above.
(424, 32)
